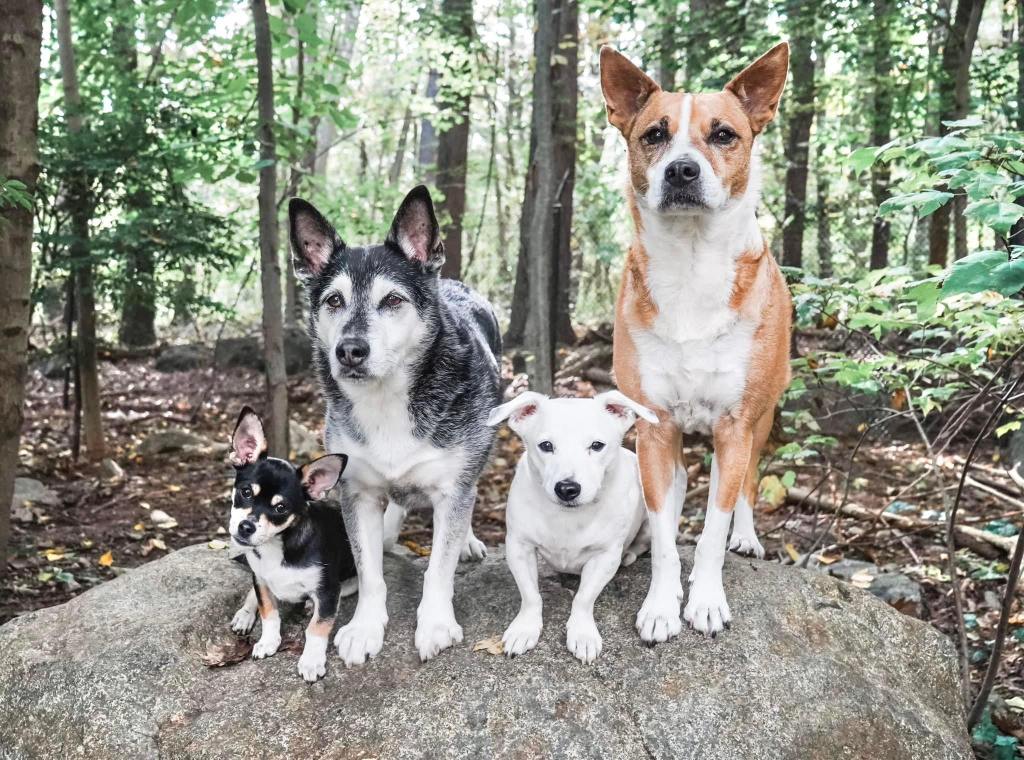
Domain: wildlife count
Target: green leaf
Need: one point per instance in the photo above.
(985, 270)
(970, 121)
(789, 479)
(1009, 427)
(925, 202)
(862, 158)
(998, 215)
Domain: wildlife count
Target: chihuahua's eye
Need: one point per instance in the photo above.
(654, 135)
(280, 509)
(246, 492)
(723, 136)
(335, 301)
(391, 301)
(597, 446)
(546, 446)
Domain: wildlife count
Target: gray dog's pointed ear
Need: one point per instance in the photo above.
(314, 240)
(321, 475)
(415, 231)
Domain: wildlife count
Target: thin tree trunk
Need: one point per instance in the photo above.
(953, 96)
(292, 299)
(80, 212)
(453, 140)
(426, 158)
(19, 59)
(565, 73)
(270, 265)
(823, 205)
(881, 125)
(395, 172)
(1016, 236)
(800, 114)
(668, 43)
(327, 130)
(540, 235)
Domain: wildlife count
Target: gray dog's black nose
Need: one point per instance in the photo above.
(567, 490)
(246, 528)
(682, 172)
(352, 351)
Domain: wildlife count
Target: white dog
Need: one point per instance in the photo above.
(576, 500)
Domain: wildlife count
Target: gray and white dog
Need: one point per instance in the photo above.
(408, 364)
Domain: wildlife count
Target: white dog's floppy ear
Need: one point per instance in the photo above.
(518, 410)
(248, 442)
(321, 475)
(625, 409)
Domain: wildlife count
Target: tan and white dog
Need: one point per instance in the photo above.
(702, 323)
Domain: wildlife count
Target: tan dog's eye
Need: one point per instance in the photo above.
(654, 135)
(722, 136)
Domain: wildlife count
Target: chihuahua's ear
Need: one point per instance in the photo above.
(624, 409)
(248, 442)
(321, 475)
(415, 231)
(626, 88)
(759, 86)
(517, 411)
(314, 240)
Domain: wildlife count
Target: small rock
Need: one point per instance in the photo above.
(247, 352)
(894, 588)
(174, 439)
(33, 492)
(182, 357)
(111, 470)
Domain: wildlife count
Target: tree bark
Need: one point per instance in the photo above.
(80, 211)
(881, 125)
(426, 157)
(327, 130)
(19, 58)
(540, 237)
(953, 96)
(270, 265)
(453, 141)
(1016, 236)
(822, 203)
(668, 42)
(800, 115)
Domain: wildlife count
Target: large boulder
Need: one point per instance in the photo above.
(247, 352)
(812, 668)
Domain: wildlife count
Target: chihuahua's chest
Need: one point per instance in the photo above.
(289, 583)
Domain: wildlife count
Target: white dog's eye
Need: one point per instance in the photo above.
(597, 446)
(546, 446)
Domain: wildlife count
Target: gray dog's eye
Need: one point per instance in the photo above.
(597, 446)
(546, 446)
(335, 301)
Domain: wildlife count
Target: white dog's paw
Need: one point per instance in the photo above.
(583, 639)
(266, 647)
(746, 543)
(522, 634)
(312, 665)
(707, 610)
(243, 621)
(658, 619)
(360, 640)
(435, 633)
(473, 550)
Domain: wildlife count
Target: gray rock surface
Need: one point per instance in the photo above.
(182, 357)
(247, 351)
(811, 668)
(177, 440)
(29, 496)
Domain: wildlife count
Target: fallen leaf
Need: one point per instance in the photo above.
(173, 488)
(772, 490)
(792, 552)
(828, 559)
(415, 548)
(54, 555)
(862, 579)
(491, 645)
(898, 400)
(106, 560)
(217, 544)
(1016, 704)
(158, 544)
(226, 652)
(139, 528)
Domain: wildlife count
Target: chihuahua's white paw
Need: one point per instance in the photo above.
(583, 639)
(266, 647)
(243, 621)
(658, 619)
(349, 587)
(360, 640)
(522, 634)
(312, 665)
(473, 550)
(706, 608)
(435, 633)
(744, 541)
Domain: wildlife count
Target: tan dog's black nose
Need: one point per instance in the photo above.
(681, 173)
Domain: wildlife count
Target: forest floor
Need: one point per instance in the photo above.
(106, 525)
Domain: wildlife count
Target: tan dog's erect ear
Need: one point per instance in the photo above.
(626, 88)
(759, 86)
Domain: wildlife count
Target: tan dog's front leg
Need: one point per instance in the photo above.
(663, 479)
(706, 608)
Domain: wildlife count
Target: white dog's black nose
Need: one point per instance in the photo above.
(246, 528)
(682, 172)
(352, 351)
(567, 490)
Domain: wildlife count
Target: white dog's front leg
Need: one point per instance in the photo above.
(436, 627)
(581, 634)
(523, 632)
(363, 636)
(658, 619)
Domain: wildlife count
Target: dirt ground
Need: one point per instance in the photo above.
(105, 526)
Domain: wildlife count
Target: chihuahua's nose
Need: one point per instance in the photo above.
(567, 490)
(681, 173)
(352, 351)
(246, 528)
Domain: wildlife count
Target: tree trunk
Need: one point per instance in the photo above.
(800, 114)
(453, 141)
(954, 94)
(270, 265)
(881, 125)
(80, 211)
(823, 205)
(326, 129)
(395, 172)
(668, 42)
(19, 59)
(1016, 236)
(426, 158)
(540, 239)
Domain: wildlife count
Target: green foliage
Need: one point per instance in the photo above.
(14, 192)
